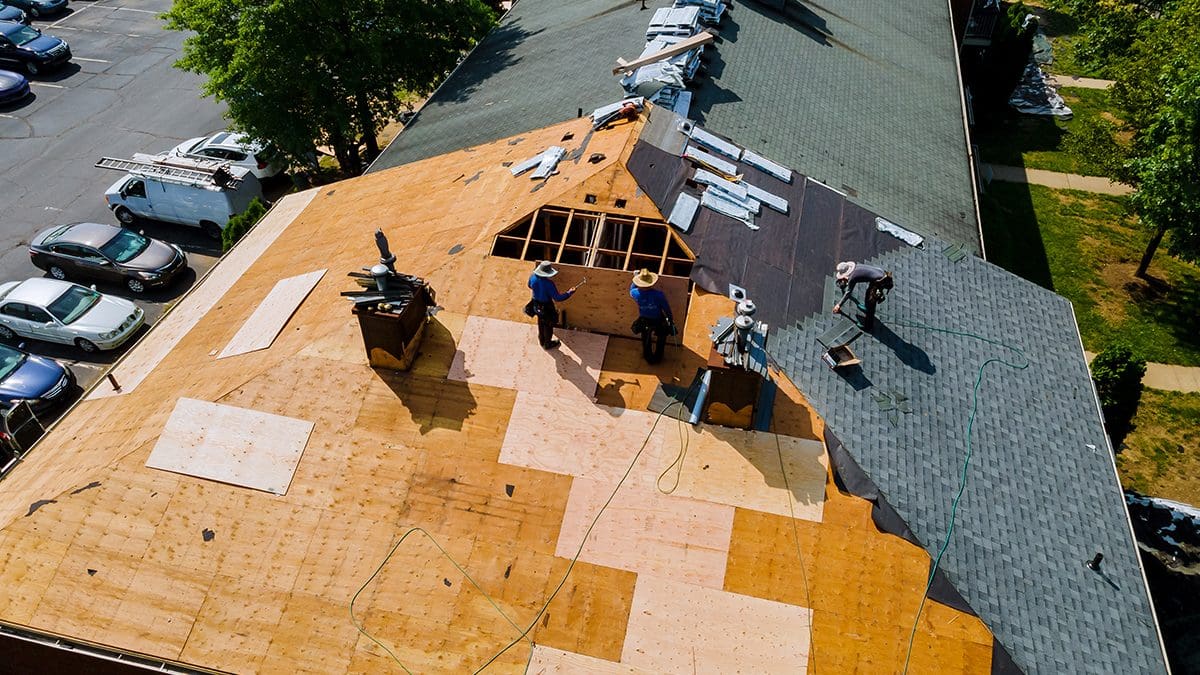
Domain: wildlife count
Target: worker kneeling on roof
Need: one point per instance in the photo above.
(878, 281)
(654, 321)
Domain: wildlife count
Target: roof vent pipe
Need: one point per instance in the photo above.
(1094, 563)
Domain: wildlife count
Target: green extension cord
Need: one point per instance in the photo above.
(962, 484)
(523, 634)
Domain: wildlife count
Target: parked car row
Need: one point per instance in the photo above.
(25, 48)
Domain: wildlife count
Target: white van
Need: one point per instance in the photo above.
(197, 192)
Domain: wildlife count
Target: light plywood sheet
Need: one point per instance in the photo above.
(148, 353)
(231, 445)
(742, 468)
(645, 531)
(506, 354)
(678, 627)
(577, 438)
(548, 661)
(272, 314)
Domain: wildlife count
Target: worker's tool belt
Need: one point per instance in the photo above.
(644, 324)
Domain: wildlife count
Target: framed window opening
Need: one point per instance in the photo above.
(595, 239)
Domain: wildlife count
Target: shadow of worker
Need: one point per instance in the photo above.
(909, 354)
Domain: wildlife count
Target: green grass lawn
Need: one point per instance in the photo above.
(1161, 456)
(1086, 247)
(1037, 142)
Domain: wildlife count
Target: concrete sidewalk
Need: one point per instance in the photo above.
(1054, 179)
(1082, 82)
(1166, 376)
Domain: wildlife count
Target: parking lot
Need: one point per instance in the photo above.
(120, 95)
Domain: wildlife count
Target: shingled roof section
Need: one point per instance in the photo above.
(1042, 495)
(865, 99)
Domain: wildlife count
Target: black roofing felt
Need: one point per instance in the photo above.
(785, 278)
(1042, 495)
(863, 97)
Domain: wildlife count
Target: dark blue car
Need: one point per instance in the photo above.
(13, 14)
(13, 87)
(26, 47)
(38, 8)
(41, 381)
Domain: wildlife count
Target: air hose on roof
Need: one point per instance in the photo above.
(962, 483)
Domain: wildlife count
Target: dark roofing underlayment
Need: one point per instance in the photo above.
(863, 97)
(1042, 496)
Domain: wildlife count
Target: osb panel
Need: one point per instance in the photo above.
(549, 661)
(459, 497)
(648, 532)
(748, 469)
(863, 586)
(681, 628)
(260, 329)
(231, 445)
(157, 610)
(233, 629)
(590, 613)
(306, 640)
(490, 349)
(577, 438)
(25, 573)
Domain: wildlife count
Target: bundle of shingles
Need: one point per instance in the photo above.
(725, 191)
(665, 82)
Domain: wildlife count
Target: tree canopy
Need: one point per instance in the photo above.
(307, 73)
(1152, 50)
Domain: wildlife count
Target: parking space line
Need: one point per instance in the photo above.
(46, 84)
(9, 117)
(80, 58)
(77, 12)
(131, 9)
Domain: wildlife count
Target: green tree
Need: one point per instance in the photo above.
(1158, 89)
(304, 73)
(1118, 374)
(240, 224)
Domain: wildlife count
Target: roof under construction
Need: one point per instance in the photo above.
(432, 518)
(283, 505)
(863, 96)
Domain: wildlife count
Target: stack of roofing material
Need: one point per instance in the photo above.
(664, 82)
(711, 11)
(681, 22)
(725, 191)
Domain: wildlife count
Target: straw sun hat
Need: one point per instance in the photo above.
(645, 278)
(844, 269)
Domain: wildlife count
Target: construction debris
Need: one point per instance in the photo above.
(546, 163)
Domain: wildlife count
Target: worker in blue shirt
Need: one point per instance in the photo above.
(545, 294)
(654, 321)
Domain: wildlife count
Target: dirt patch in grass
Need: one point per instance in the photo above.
(1161, 456)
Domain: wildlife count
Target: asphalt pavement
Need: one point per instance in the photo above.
(120, 94)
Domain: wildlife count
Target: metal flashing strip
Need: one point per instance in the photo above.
(683, 103)
(759, 162)
(684, 212)
(711, 161)
(714, 200)
(716, 144)
(549, 163)
(737, 190)
(773, 201)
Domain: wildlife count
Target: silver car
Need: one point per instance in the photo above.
(237, 149)
(67, 313)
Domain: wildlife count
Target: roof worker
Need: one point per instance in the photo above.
(545, 294)
(654, 320)
(878, 281)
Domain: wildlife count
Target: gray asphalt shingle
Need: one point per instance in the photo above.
(1042, 495)
(871, 103)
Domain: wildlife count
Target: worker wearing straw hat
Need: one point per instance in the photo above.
(545, 294)
(654, 315)
(878, 280)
